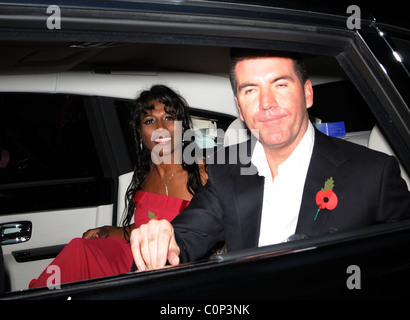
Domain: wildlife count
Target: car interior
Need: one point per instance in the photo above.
(61, 105)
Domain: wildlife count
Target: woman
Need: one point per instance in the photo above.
(161, 188)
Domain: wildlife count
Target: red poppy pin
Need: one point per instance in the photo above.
(151, 215)
(326, 198)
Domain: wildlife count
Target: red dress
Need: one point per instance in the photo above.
(85, 259)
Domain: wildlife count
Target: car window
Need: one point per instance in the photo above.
(44, 139)
(349, 107)
(345, 116)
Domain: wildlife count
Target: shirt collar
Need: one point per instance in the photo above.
(302, 152)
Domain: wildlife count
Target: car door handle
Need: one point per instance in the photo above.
(15, 232)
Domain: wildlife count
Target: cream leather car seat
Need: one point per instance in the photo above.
(378, 142)
(237, 132)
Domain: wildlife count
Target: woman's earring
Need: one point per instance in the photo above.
(141, 144)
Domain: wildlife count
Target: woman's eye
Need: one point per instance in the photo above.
(148, 121)
(169, 118)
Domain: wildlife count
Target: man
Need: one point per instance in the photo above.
(305, 183)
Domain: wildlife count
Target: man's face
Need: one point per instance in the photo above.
(272, 101)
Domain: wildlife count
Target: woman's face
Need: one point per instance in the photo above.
(158, 131)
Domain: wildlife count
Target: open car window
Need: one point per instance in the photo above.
(356, 98)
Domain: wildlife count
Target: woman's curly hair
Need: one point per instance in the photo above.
(176, 106)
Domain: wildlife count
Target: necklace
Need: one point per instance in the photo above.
(169, 179)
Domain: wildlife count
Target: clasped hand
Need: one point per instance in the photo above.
(98, 233)
(154, 243)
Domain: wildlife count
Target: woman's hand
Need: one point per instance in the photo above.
(103, 232)
(107, 231)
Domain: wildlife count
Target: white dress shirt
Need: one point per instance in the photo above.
(282, 196)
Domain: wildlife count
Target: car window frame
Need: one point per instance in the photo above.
(348, 47)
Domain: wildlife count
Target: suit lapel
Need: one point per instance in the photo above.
(248, 196)
(325, 162)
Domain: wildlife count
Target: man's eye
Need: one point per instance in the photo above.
(281, 85)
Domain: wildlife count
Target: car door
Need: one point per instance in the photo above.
(58, 177)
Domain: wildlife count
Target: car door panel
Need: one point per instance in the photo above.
(54, 183)
(123, 182)
(51, 230)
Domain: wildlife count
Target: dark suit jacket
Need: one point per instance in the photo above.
(367, 183)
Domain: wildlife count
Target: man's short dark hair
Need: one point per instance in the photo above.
(238, 55)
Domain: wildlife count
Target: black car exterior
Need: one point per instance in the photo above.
(369, 263)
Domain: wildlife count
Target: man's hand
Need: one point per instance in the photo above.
(152, 244)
